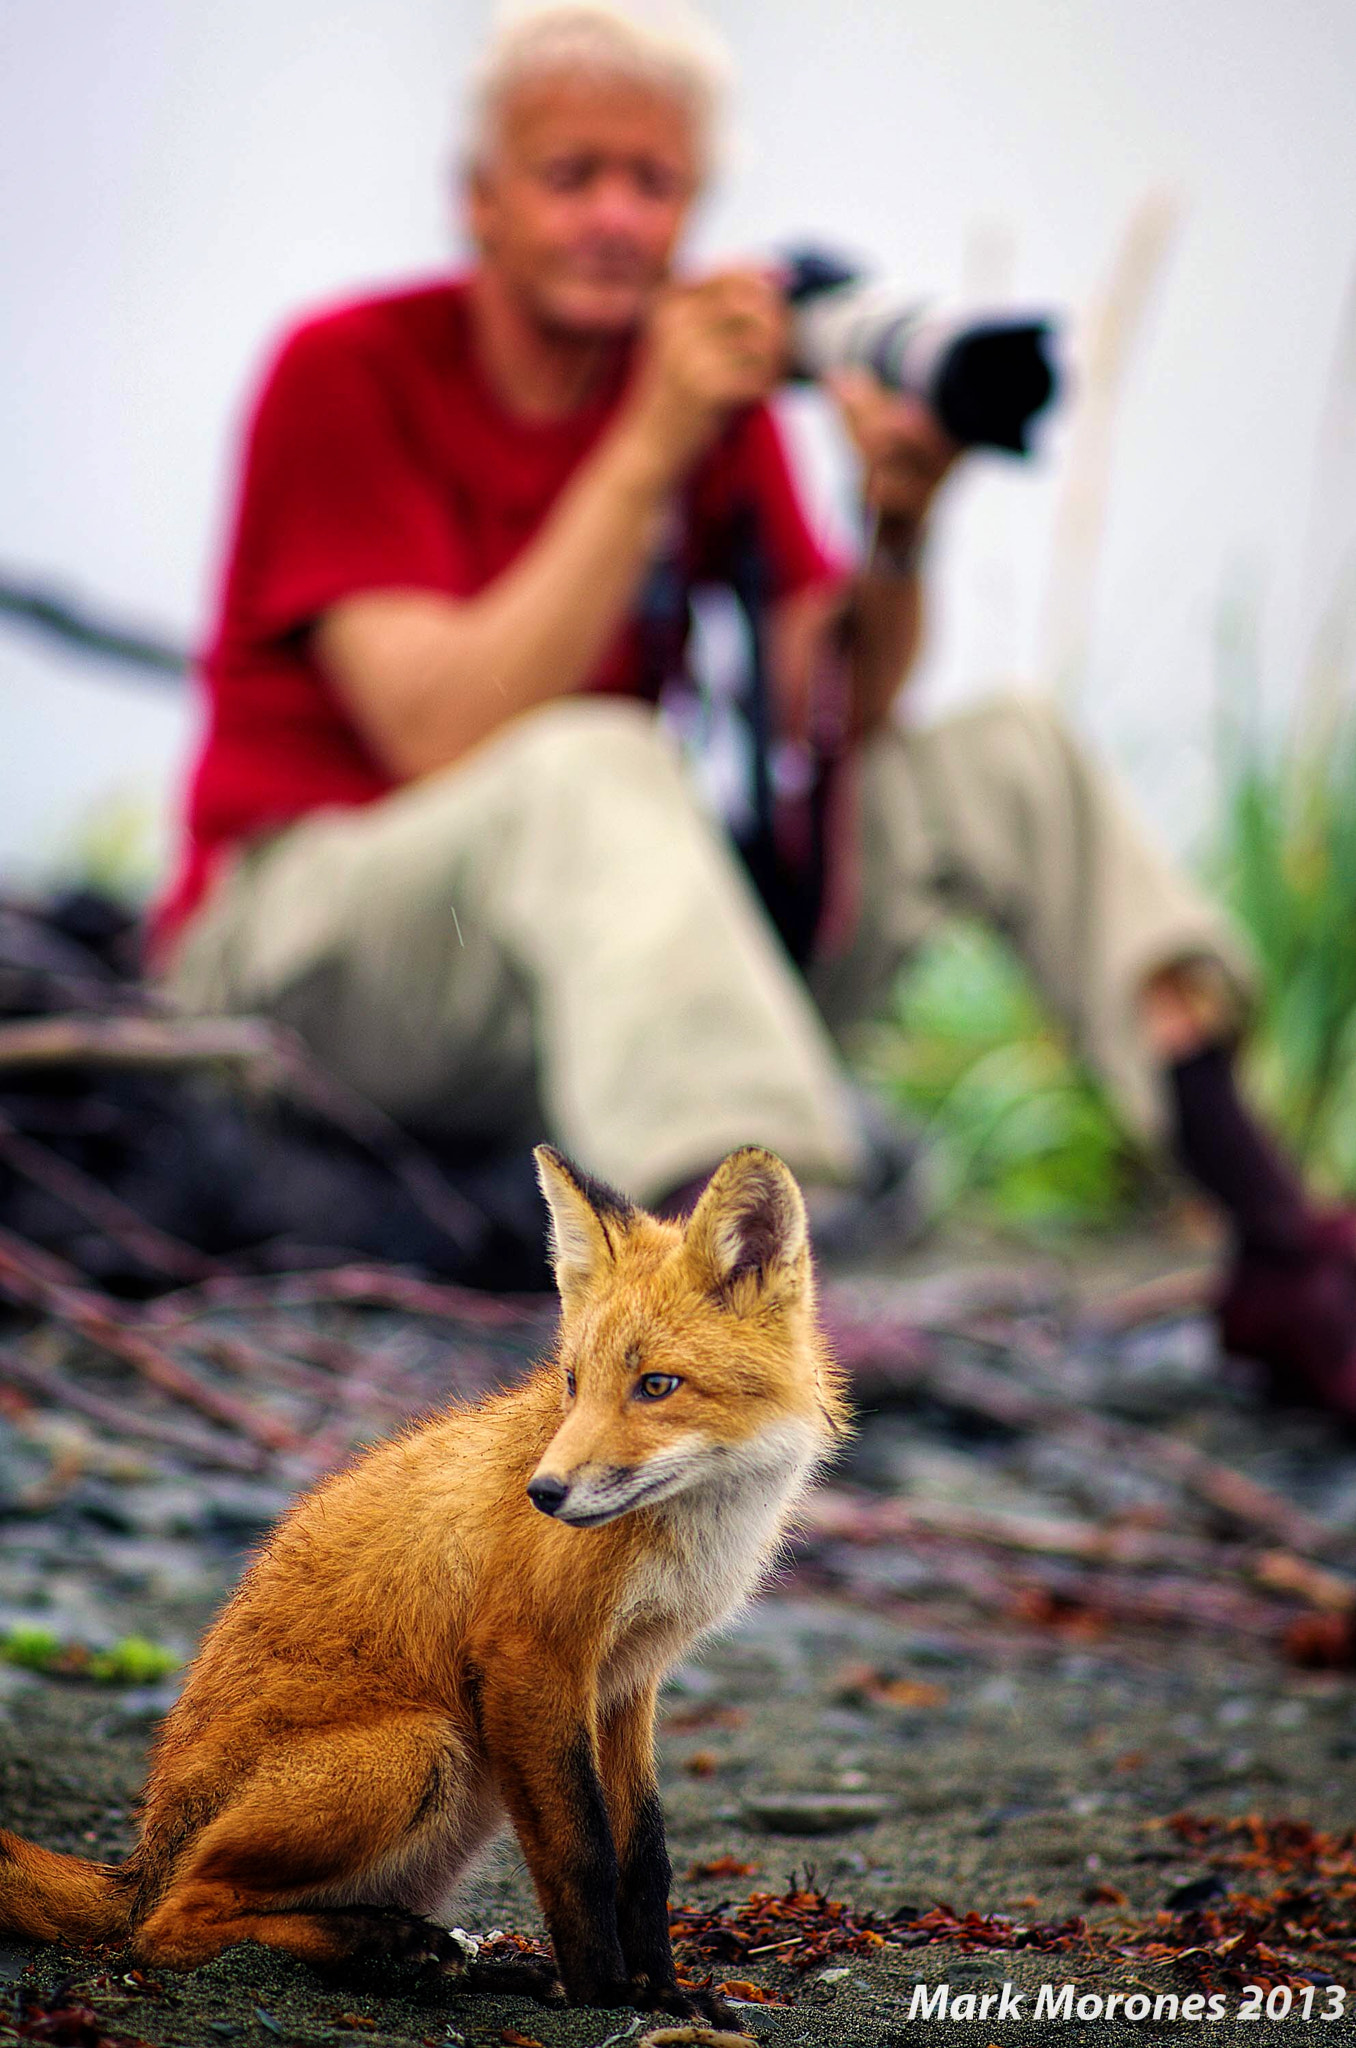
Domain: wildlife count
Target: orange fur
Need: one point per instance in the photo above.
(418, 1652)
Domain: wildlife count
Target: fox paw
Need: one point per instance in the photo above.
(524, 1977)
(707, 2006)
(398, 1937)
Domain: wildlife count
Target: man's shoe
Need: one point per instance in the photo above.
(1296, 1314)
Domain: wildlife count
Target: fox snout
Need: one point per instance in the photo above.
(548, 1493)
(593, 1494)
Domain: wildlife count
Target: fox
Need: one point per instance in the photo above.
(468, 1627)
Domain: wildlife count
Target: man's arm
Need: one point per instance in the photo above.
(426, 677)
(905, 455)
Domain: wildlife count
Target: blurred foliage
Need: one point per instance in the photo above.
(132, 1661)
(1284, 860)
(114, 849)
(1012, 1125)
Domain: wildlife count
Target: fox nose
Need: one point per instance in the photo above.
(547, 1494)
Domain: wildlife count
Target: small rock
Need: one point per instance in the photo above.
(690, 1682)
(1235, 1713)
(815, 1813)
(157, 1509)
(14, 1679)
(166, 1567)
(148, 1702)
(757, 2019)
(939, 1651)
(1197, 1891)
(1202, 1769)
(245, 1506)
(846, 1721)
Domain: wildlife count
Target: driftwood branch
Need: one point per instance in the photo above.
(86, 1197)
(272, 1057)
(853, 1518)
(1229, 1492)
(892, 1358)
(137, 1041)
(1154, 1301)
(119, 1419)
(1051, 1590)
(38, 1280)
(356, 1286)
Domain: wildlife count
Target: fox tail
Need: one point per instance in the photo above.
(47, 1897)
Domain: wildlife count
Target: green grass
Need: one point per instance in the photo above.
(1284, 860)
(1015, 1131)
(132, 1661)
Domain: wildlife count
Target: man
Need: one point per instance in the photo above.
(436, 827)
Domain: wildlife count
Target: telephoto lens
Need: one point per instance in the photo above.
(984, 376)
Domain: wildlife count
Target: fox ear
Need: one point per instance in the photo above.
(749, 1224)
(586, 1217)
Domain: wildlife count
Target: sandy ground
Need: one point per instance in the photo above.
(1026, 1773)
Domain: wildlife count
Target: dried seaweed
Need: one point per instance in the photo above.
(804, 1928)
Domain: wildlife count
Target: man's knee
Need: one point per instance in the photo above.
(1016, 749)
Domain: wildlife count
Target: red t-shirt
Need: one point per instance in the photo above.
(378, 457)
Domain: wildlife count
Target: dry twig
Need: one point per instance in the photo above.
(114, 1219)
(120, 1419)
(38, 1280)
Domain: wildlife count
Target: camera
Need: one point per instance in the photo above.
(985, 378)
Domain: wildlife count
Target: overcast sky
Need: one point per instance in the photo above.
(178, 178)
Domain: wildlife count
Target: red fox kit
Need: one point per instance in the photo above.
(473, 1620)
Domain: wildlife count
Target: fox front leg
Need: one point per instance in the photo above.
(626, 1760)
(541, 1748)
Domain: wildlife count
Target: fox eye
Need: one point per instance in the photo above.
(569, 1384)
(653, 1386)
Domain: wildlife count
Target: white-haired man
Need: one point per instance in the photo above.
(437, 826)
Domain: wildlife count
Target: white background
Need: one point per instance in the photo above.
(177, 178)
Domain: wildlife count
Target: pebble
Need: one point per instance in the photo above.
(814, 1813)
(690, 1682)
(160, 1509)
(147, 1702)
(250, 1506)
(1235, 1713)
(755, 2018)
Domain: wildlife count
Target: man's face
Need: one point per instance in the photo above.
(582, 198)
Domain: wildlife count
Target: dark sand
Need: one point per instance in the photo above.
(1036, 1769)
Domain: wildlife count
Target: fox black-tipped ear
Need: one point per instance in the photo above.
(749, 1223)
(586, 1218)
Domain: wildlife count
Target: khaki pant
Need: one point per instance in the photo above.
(551, 937)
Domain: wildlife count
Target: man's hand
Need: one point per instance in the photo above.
(905, 452)
(711, 347)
